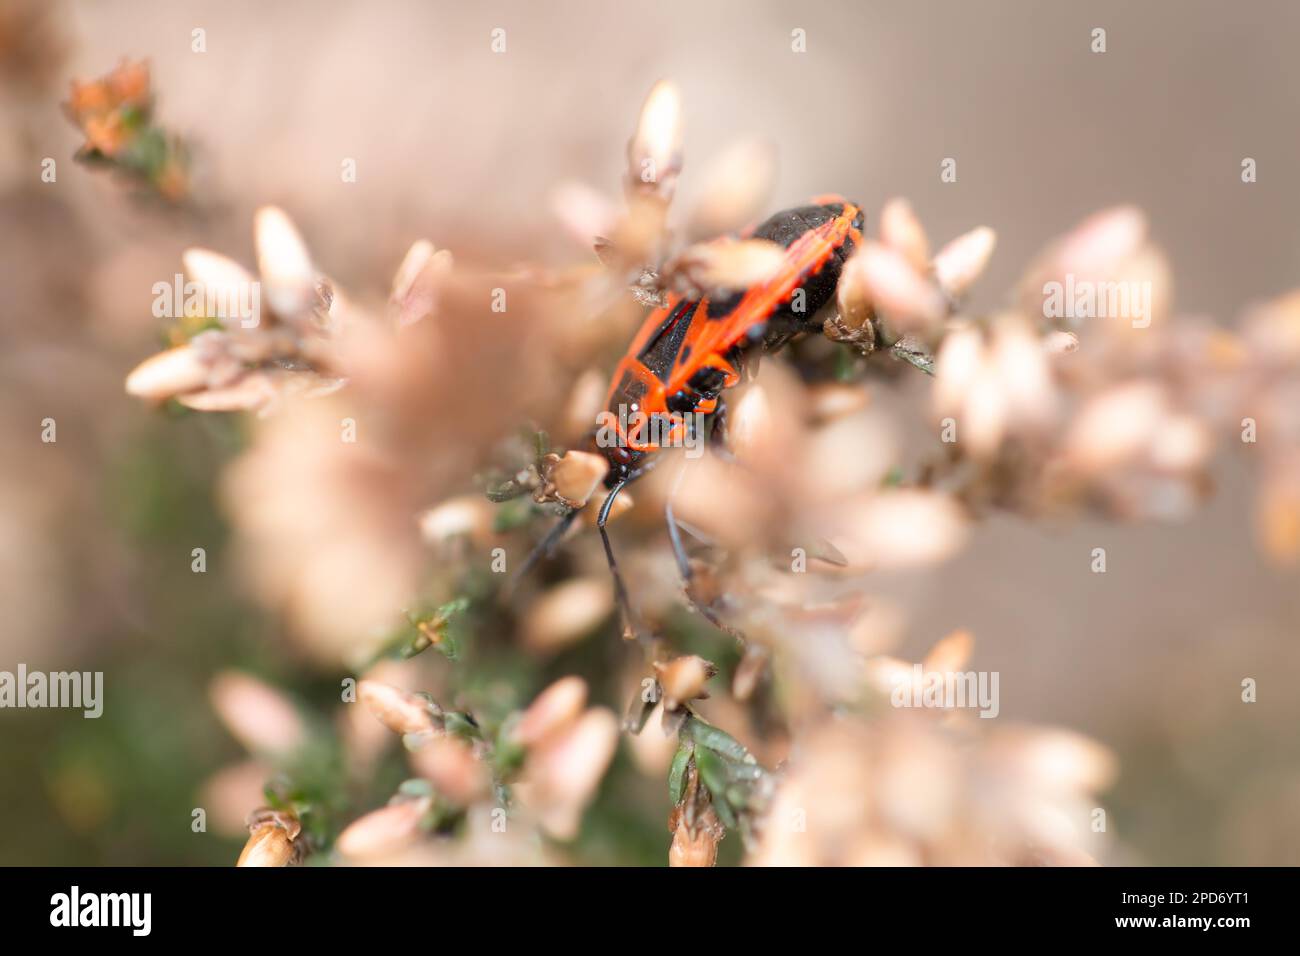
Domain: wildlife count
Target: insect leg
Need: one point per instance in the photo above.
(718, 435)
(630, 622)
(675, 535)
(718, 429)
(684, 566)
(544, 547)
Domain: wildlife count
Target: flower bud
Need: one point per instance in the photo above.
(725, 264)
(169, 373)
(282, 260)
(654, 153)
(397, 710)
(551, 711)
(257, 715)
(958, 264)
(562, 776)
(247, 393)
(384, 830)
(951, 653)
(853, 297)
(683, 679)
(467, 516)
(567, 612)
(582, 211)
(577, 475)
(902, 232)
(735, 188)
(418, 281)
(268, 845)
(1059, 342)
(451, 765)
(909, 299)
(273, 839)
(225, 281)
(1116, 426)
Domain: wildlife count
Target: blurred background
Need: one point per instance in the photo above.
(463, 146)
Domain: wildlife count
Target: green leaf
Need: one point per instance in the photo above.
(507, 757)
(706, 735)
(745, 772)
(638, 712)
(417, 646)
(845, 362)
(436, 627)
(514, 514)
(461, 725)
(506, 491)
(415, 787)
(677, 773)
(714, 776)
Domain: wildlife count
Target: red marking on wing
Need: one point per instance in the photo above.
(707, 341)
(806, 255)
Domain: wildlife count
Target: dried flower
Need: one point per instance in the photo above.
(573, 478)
(683, 679)
(246, 364)
(273, 840)
(698, 845)
(115, 115)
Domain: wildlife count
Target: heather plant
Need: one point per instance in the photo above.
(342, 551)
(762, 694)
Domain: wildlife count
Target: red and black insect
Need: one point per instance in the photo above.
(690, 351)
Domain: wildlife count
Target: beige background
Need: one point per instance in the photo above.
(452, 140)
